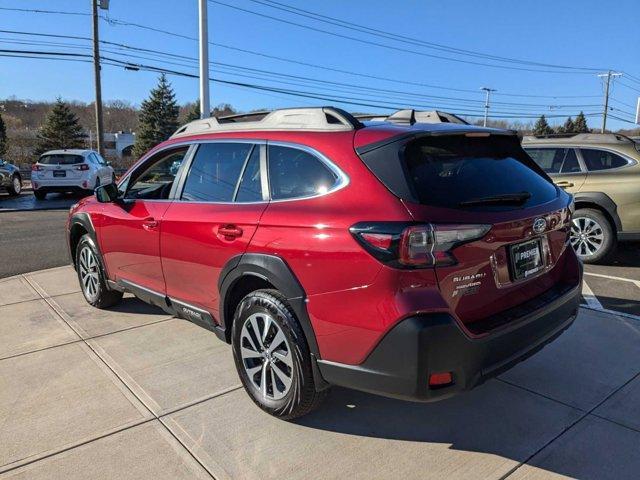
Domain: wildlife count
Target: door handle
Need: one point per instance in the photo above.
(564, 184)
(231, 231)
(150, 224)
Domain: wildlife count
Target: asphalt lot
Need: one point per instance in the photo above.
(131, 393)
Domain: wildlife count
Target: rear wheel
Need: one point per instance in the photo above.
(40, 194)
(91, 276)
(272, 356)
(16, 186)
(592, 237)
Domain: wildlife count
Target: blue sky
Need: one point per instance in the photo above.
(579, 33)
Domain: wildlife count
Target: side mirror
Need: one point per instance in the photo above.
(107, 193)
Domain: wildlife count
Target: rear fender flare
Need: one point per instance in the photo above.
(603, 201)
(274, 270)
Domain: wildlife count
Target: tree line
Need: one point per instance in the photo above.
(66, 124)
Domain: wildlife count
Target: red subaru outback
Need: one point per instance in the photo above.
(405, 259)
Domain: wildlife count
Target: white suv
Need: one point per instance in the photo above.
(70, 171)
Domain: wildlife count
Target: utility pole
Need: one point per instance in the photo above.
(205, 111)
(608, 76)
(487, 91)
(104, 4)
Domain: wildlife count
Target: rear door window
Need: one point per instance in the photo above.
(596, 160)
(250, 188)
(453, 171)
(215, 172)
(555, 160)
(295, 173)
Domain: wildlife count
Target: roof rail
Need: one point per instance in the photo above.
(311, 119)
(583, 137)
(244, 117)
(410, 116)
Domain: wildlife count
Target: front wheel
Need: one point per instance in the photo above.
(16, 186)
(272, 356)
(592, 237)
(91, 276)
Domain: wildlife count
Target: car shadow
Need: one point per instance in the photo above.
(131, 304)
(627, 254)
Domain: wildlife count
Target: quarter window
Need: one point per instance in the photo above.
(294, 173)
(601, 160)
(215, 172)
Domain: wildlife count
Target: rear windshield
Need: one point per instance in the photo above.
(455, 171)
(63, 159)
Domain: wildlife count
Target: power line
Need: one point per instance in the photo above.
(296, 93)
(113, 21)
(390, 47)
(404, 38)
(243, 70)
(34, 10)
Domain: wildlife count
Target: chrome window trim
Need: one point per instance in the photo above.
(630, 161)
(342, 182)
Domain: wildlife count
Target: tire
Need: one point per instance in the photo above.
(113, 178)
(40, 194)
(91, 276)
(592, 236)
(288, 361)
(16, 186)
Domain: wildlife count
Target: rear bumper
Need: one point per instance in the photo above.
(63, 188)
(423, 344)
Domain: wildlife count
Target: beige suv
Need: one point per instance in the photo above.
(602, 171)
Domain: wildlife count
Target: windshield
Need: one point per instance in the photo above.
(60, 159)
(456, 171)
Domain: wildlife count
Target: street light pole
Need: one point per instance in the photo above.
(96, 73)
(608, 75)
(487, 91)
(205, 111)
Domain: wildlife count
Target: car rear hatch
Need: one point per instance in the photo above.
(61, 166)
(487, 219)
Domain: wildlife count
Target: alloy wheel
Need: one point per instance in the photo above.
(266, 356)
(89, 273)
(587, 236)
(17, 186)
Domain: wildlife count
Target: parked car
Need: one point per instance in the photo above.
(78, 171)
(10, 179)
(409, 260)
(602, 171)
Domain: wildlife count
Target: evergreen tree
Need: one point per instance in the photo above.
(158, 117)
(568, 127)
(61, 129)
(580, 125)
(3, 138)
(542, 127)
(193, 113)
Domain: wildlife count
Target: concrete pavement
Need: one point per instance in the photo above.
(133, 393)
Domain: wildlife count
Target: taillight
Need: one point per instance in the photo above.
(403, 245)
(36, 168)
(82, 166)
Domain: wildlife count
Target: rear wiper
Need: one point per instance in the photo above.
(506, 199)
